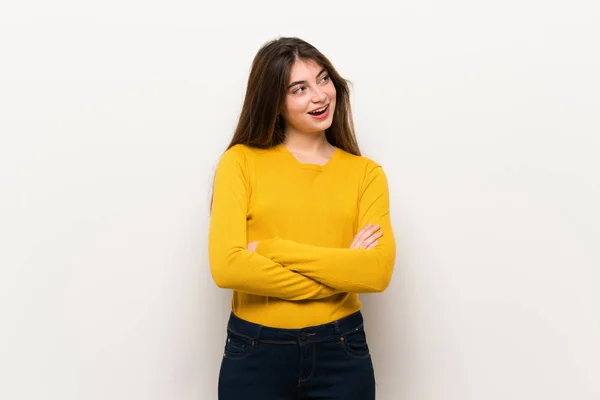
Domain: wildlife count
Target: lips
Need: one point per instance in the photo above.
(319, 111)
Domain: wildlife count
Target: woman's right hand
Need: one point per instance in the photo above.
(367, 237)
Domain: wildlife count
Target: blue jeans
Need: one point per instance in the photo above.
(325, 362)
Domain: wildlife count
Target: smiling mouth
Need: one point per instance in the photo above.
(319, 111)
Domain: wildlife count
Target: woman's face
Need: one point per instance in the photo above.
(310, 91)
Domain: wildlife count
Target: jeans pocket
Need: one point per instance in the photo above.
(237, 346)
(355, 343)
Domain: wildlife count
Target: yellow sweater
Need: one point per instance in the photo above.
(304, 217)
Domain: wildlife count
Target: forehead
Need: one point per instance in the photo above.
(304, 70)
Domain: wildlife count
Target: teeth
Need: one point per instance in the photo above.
(319, 110)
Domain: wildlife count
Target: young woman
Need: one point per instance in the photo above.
(300, 225)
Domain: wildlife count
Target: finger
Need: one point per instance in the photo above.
(375, 243)
(370, 232)
(355, 241)
(358, 238)
(374, 228)
(376, 235)
(365, 233)
(365, 243)
(372, 238)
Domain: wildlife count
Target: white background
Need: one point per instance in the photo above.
(485, 116)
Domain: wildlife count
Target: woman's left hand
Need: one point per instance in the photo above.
(252, 246)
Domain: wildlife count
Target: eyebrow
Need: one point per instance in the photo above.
(299, 82)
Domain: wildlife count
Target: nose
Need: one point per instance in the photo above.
(319, 96)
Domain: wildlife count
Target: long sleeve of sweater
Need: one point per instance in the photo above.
(232, 265)
(349, 270)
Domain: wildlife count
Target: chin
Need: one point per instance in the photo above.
(319, 125)
(314, 129)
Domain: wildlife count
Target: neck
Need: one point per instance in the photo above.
(306, 143)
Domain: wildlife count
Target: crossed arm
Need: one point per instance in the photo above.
(357, 269)
(231, 264)
(290, 270)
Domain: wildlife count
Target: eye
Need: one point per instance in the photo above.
(297, 90)
(325, 78)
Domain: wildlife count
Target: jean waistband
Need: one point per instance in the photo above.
(311, 334)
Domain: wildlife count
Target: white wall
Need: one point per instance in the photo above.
(485, 116)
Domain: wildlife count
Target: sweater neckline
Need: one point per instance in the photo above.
(316, 167)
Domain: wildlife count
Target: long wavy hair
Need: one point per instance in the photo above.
(260, 124)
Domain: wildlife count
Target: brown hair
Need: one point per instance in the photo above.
(259, 124)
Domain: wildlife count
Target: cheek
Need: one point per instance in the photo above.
(331, 93)
(296, 108)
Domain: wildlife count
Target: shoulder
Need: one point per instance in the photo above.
(361, 164)
(243, 152)
(237, 151)
(244, 159)
(368, 172)
(238, 154)
(233, 161)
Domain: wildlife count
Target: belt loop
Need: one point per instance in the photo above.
(336, 329)
(256, 339)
